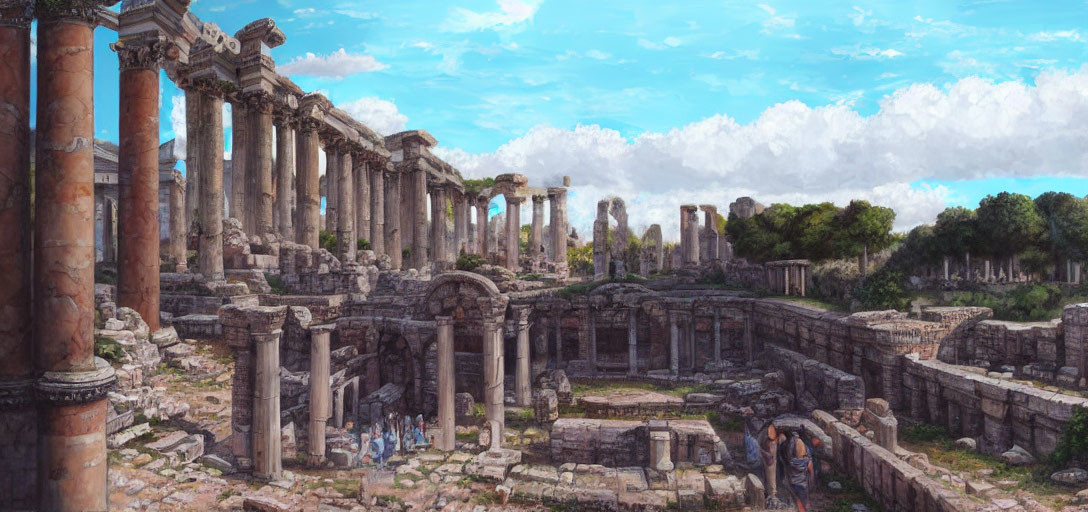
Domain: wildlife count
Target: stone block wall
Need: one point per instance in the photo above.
(1075, 323)
(893, 482)
(818, 385)
(1000, 413)
(618, 443)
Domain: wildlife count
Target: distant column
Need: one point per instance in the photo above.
(308, 186)
(418, 190)
(260, 161)
(345, 226)
(481, 225)
(557, 200)
(689, 236)
(239, 147)
(332, 182)
(285, 172)
(438, 225)
(377, 210)
(460, 223)
(392, 220)
(362, 198)
(178, 230)
(513, 232)
(536, 236)
(446, 384)
(210, 256)
(192, 157)
(522, 388)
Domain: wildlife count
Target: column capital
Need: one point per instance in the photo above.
(307, 124)
(514, 200)
(145, 51)
(538, 199)
(86, 11)
(16, 13)
(521, 315)
(282, 116)
(556, 193)
(212, 87)
(689, 208)
(443, 320)
(262, 101)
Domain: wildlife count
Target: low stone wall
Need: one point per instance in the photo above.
(617, 443)
(1001, 413)
(818, 385)
(893, 482)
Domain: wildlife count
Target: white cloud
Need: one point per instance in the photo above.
(380, 115)
(972, 129)
(338, 64)
(673, 41)
(668, 42)
(775, 23)
(511, 13)
(858, 15)
(865, 53)
(599, 55)
(1057, 35)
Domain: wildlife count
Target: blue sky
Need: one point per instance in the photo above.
(917, 105)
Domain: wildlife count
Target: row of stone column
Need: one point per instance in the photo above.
(52, 388)
(557, 252)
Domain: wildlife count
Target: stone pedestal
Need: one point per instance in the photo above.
(138, 180)
(319, 391)
(308, 228)
(513, 232)
(377, 211)
(285, 174)
(661, 450)
(522, 387)
(446, 385)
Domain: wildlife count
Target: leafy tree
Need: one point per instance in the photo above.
(1009, 224)
(815, 231)
(884, 290)
(956, 232)
(863, 228)
(1065, 223)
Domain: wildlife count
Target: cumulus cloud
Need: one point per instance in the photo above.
(511, 13)
(380, 115)
(338, 64)
(972, 129)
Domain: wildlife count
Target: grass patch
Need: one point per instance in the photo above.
(816, 303)
(520, 419)
(108, 349)
(843, 499)
(584, 387)
(584, 288)
(275, 282)
(348, 488)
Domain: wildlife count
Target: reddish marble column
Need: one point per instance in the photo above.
(309, 195)
(138, 179)
(71, 390)
(18, 421)
(210, 256)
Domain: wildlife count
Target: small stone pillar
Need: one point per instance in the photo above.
(709, 243)
(878, 417)
(446, 385)
(308, 226)
(178, 229)
(513, 232)
(253, 334)
(418, 220)
(674, 345)
(439, 227)
(377, 210)
(361, 179)
(660, 446)
(689, 235)
(557, 200)
(210, 119)
(138, 176)
(319, 391)
(392, 220)
(602, 255)
(345, 233)
(717, 337)
(536, 236)
(493, 373)
(632, 341)
(482, 204)
(522, 387)
(285, 174)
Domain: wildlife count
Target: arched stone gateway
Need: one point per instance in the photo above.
(467, 352)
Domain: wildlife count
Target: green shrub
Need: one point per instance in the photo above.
(406, 252)
(1026, 303)
(108, 349)
(469, 262)
(884, 289)
(1073, 446)
(923, 433)
(275, 281)
(363, 244)
(327, 241)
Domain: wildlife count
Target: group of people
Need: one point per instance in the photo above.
(391, 435)
(787, 459)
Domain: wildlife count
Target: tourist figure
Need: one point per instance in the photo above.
(420, 431)
(409, 440)
(390, 444)
(799, 472)
(377, 445)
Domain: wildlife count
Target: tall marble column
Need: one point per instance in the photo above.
(557, 201)
(178, 229)
(674, 344)
(71, 390)
(332, 182)
(319, 391)
(210, 255)
(632, 341)
(689, 235)
(522, 387)
(460, 223)
(418, 190)
(259, 161)
(481, 226)
(536, 234)
(493, 372)
(345, 227)
(18, 450)
(192, 158)
(446, 385)
(513, 232)
(439, 226)
(362, 197)
(267, 443)
(308, 187)
(285, 173)
(377, 210)
(138, 177)
(238, 168)
(392, 220)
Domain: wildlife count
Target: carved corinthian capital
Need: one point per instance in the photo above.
(147, 53)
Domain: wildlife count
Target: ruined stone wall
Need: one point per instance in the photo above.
(890, 480)
(619, 443)
(818, 385)
(1001, 413)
